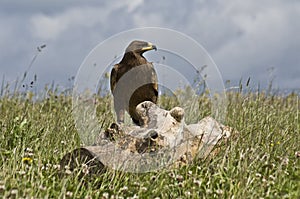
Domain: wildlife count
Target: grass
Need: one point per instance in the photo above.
(260, 163)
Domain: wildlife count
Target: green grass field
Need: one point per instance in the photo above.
(262, 162)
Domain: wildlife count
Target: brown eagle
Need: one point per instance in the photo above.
(133, 80)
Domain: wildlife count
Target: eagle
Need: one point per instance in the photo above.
(133, 81)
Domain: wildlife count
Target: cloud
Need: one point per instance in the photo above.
(51, 27)
(133, 4)
(265, 40)
(244, 38)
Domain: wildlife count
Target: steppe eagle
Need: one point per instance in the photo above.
(133, 80)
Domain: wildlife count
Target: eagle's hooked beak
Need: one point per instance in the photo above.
(154, 47)
(150, 46)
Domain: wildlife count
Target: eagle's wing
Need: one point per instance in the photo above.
(154, 77)
(113, 77)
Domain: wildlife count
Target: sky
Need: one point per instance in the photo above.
(251, 38)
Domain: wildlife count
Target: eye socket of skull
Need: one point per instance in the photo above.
(153, 134)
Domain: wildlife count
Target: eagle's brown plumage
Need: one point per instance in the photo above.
(133, 80)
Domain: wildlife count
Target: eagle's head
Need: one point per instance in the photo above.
(140, 47)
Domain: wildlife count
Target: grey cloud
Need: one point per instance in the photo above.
(245, 38)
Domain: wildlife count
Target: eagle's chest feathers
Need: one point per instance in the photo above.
(129, 62)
